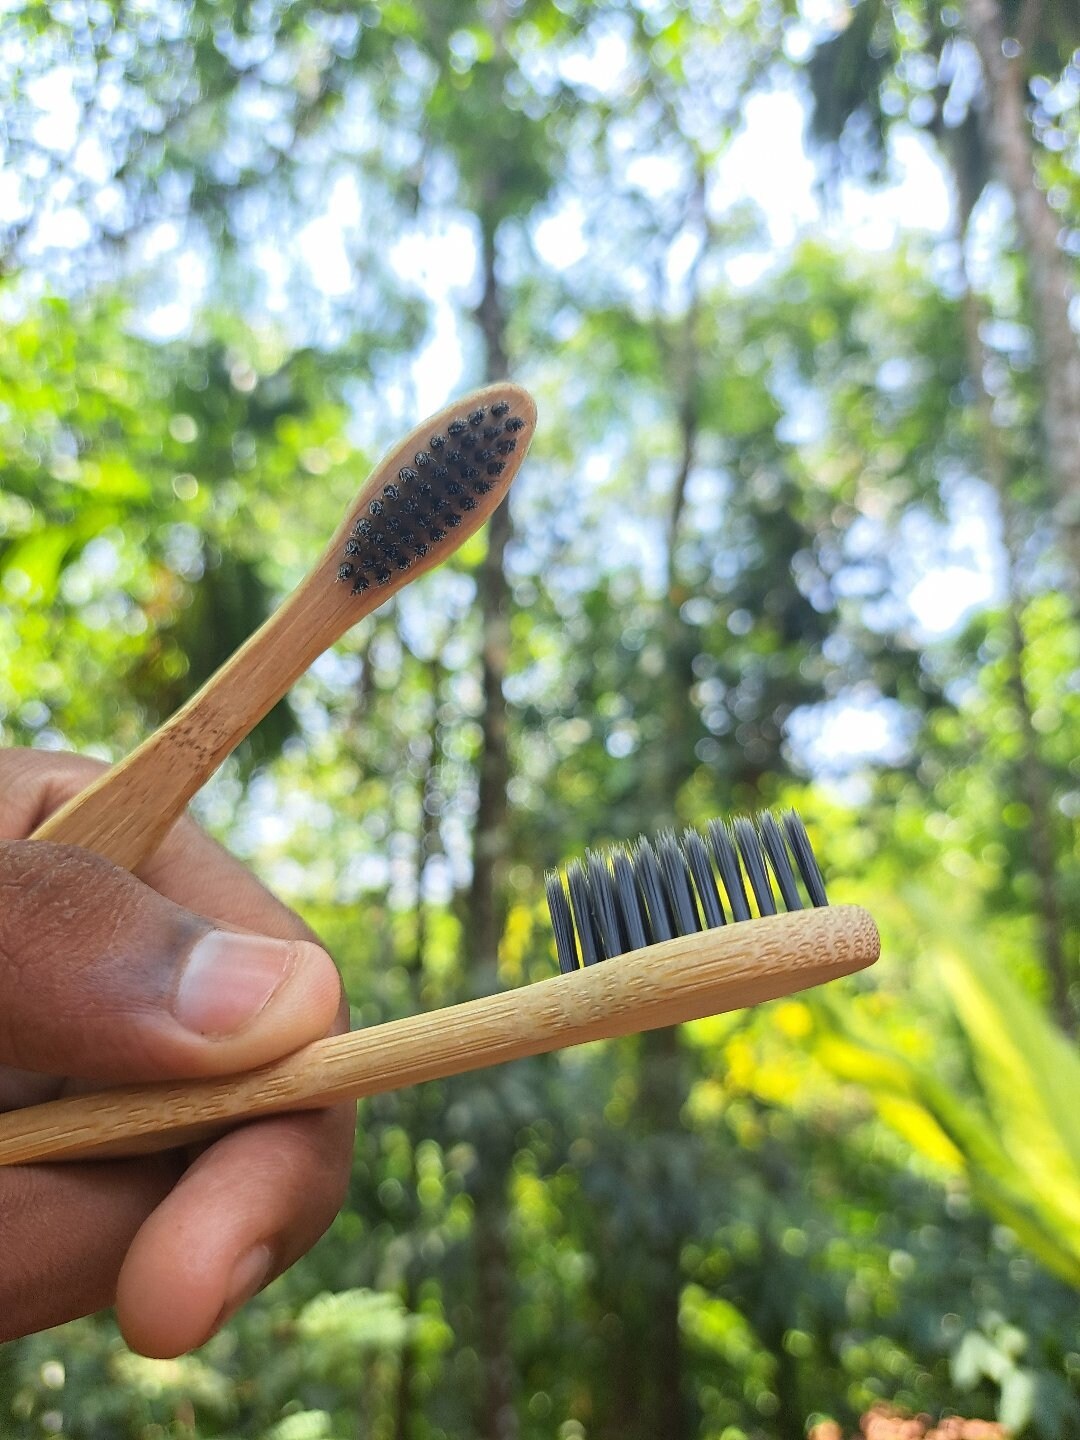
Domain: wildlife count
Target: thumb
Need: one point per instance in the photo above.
(102, 978)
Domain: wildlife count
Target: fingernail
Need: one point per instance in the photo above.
(229, 980)
(248, 1277)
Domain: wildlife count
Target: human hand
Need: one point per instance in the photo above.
(107, 978)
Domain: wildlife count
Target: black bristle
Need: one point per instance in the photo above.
(430, 495)
(805, 859)
(360, 584)
(753, 859)
(697, 857)
(602, 890)
(727, 863)
(677, 884)
(581, 902)
(562, 922)
(647, 870)
(638, 895)
(631, 911)
(772, 837)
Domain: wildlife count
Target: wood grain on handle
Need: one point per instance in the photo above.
(683, 979)
(126, 814)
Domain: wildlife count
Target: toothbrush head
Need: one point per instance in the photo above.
(434, 489)
(632, 896)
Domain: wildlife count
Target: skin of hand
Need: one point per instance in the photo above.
(190, 969)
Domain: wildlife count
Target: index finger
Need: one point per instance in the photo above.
(189, 867)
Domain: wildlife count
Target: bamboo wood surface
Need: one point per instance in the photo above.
(683, 979)
(126, 814)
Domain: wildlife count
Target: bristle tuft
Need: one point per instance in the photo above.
(649, 878)
(562, 922)
(726, 856)
(746, 838)
(805, 859)
(772, 839)
(581, 905)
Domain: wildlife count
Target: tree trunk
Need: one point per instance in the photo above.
(1035, 784)
(497, 1419)
(656, 1400)
(413, 1101)
(1009, 133)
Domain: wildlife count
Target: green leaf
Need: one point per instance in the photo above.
(1031, 1076)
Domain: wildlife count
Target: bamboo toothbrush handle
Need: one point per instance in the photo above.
(683, 979)
(125, 815)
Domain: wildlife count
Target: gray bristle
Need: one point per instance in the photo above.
(581, 904)
(629, 898)
(805, 859)
(562, 922)
(647, 870)
(605, 909)
(637, 895)
(746, 837)
(727, 863)
(772, 838)
(697, 856)
(677, 883)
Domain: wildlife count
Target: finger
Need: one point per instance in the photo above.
(213, 1242)
(64, 1231)
(188, 867)
(102, 978)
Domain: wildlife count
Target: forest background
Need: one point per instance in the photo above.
(795, 287)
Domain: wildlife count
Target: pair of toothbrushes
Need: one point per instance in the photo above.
(661, 910)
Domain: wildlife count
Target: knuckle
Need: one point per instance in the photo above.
(34, 783)
(70, 923)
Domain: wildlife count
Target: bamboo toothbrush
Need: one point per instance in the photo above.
(680, 909)
(423, 499)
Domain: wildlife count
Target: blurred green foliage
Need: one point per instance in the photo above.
(739, 491)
